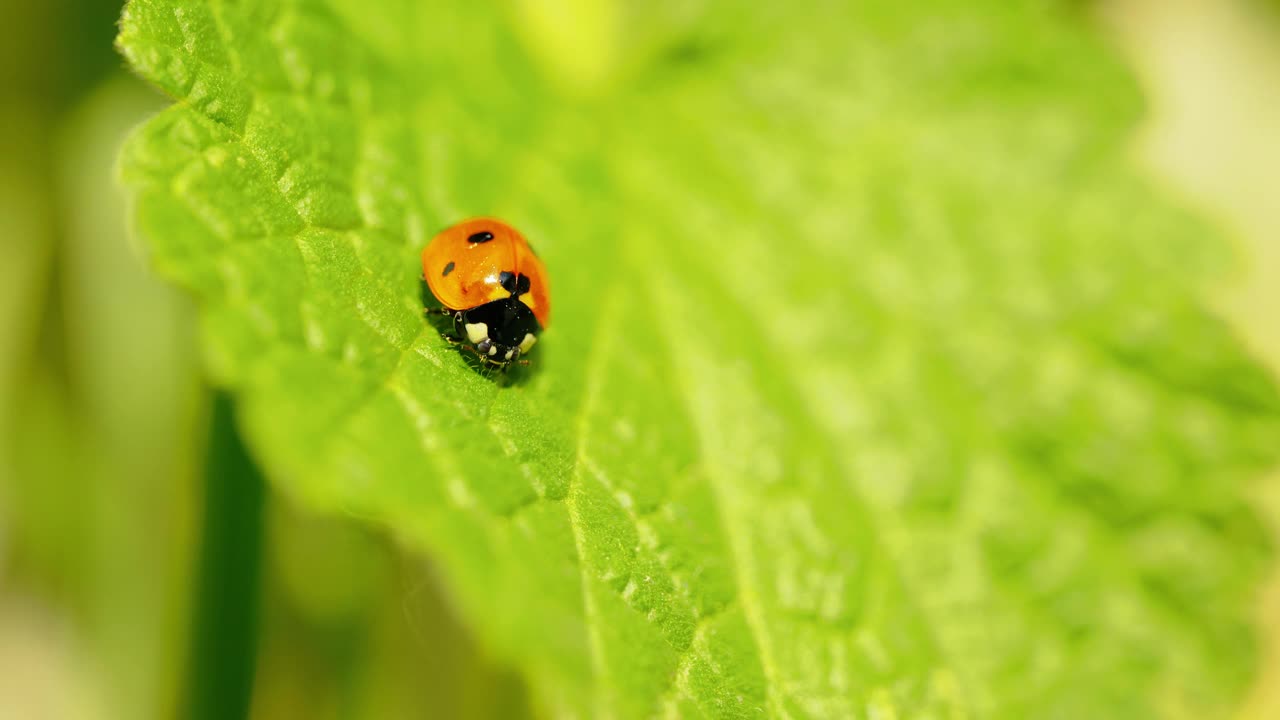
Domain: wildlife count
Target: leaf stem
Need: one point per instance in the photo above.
(224, 630)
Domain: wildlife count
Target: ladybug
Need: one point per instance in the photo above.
(488, 278)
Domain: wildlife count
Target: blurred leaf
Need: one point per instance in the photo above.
(133, 407)
(877, 384)
(94, 455)
(24, 262)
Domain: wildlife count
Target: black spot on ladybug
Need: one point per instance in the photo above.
(483, 236)
(507, 281)
(447, 269)
(517, 285)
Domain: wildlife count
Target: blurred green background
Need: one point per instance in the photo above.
(107, 432)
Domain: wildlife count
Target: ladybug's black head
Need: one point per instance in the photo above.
(500, 330)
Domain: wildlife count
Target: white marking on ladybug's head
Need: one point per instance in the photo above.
(493, 350)
(476, 332)
(529, 340)
(509, 354)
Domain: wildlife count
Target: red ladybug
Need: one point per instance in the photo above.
(488, 278)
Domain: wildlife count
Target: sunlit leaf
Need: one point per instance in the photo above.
(878, 383)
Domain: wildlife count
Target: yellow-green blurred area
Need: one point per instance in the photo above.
(1209, 70)
(107, 430)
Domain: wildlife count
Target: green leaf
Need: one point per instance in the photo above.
(878, 384)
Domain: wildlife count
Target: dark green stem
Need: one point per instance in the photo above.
(224, 641)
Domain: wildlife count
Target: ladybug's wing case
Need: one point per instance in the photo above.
(538, 298)
(466, 264)
(463, 274)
